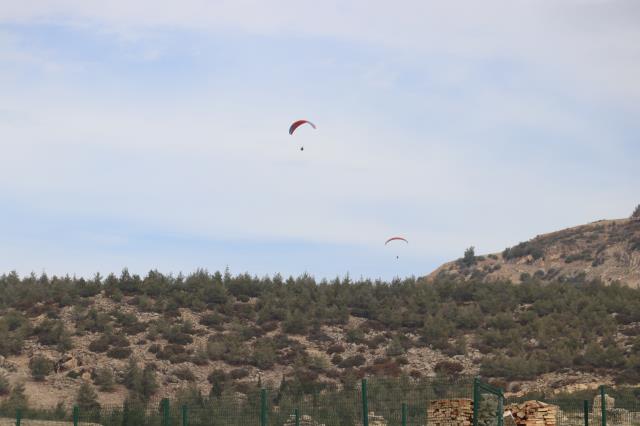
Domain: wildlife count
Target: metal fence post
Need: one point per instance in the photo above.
(165, 412)
(404, 414)
(476, 400)
(263, 407)
(296, 413)
(125, 414)
(76, 415)
(586, 412)
(18, 416)
(500, 412)
(185, 416)
(603, 406)
(365, 404)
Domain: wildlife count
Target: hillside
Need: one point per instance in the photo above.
(219, 332)
(607, 250)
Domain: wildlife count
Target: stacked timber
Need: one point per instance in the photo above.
(305, 420)
(374, 420)
(534, 413)
(450, 412)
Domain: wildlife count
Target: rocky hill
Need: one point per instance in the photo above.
(607, 250)
(561, 328)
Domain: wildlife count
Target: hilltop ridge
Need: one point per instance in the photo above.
(606, 250)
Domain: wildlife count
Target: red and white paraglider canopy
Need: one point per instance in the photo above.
(396, 239)
(299, 123)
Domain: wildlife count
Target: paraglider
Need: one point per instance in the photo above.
(297, 124)
(396, 239)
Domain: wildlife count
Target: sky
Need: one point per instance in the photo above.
(153, 134)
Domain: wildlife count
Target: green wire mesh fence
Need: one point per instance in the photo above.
(390, 402)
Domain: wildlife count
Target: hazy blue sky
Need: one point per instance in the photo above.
(153, 134)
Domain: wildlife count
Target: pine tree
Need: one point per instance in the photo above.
(133, 376)
(395, 347)
(149, 384)
(469, 258)
(282, 390)
(636, 213)
(87, 398)
(216, 390)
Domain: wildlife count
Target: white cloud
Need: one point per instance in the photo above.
(587, 42)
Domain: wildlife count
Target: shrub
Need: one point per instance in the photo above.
(402, 360)
(200, 357)
(134, 328)
(336, 359)
(236, 353)
(376, 341)
(179, 358)
(177, 336)
(395, 348)
(17, 399)
(101, 344)
(40, 367)
(584, 255)
(217, 376)
(239, 373)
(5, 386)
(264, 354)
(211, 320)
(522, 250)
(119, 353)
(636, 213)
(336, 348)
(104, 379)
(185, 373)
(318, 363)
(118, 340)
(53, 333)
(353, 361)
(448, 368)
(355, 335)
(215, 350)
(436, 332)
(269, 326)
(387, 368)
